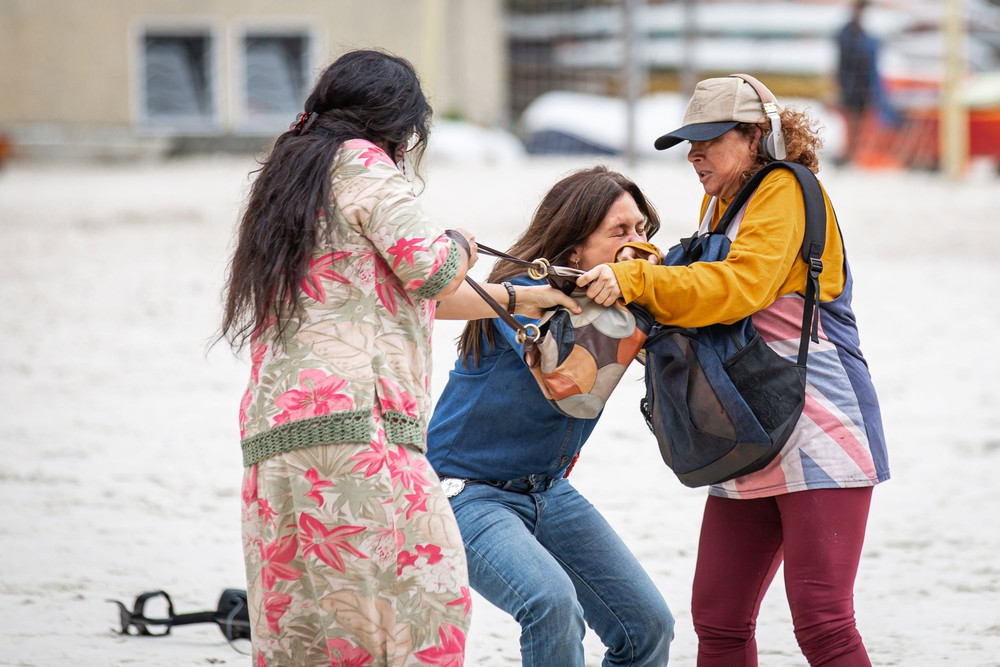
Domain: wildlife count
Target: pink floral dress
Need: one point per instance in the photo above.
(353, 555)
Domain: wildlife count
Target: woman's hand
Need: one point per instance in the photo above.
(601, 284)
(466, 304)
(533, 299)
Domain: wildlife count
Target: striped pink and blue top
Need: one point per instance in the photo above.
(838, 441)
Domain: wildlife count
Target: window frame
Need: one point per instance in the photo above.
(269, 124)
(210, 122)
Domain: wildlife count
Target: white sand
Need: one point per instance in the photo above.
(120, 469)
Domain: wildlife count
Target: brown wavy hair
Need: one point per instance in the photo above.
(802, 142)
(569, 212)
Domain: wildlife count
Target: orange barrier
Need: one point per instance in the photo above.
(915, 143)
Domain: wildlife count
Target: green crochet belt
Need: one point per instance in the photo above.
(353, 426)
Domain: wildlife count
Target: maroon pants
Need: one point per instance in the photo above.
(819, 535)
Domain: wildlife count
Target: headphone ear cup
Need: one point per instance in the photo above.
(767, 145)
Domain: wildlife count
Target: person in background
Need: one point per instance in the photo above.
(352, 552)
(857, 76)
(809, 507)
(535, 546)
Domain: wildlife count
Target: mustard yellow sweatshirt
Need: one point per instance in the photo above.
(764, 263)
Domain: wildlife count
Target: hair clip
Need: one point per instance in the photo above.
(303, 122)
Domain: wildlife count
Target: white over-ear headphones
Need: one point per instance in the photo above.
(773, 142)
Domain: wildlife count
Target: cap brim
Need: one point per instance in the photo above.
(694, 132)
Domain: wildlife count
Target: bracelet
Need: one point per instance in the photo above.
(511, 297)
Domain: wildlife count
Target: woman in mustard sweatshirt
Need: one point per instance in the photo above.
(809, 507)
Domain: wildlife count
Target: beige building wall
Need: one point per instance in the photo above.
(70, 68)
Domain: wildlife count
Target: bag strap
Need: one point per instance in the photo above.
(538, 265)
(525, 332)
(813, 242)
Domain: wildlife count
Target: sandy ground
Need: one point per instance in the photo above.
(120, 464)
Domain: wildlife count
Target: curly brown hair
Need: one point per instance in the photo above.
(802, 141)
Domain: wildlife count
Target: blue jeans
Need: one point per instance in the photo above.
(546, 556)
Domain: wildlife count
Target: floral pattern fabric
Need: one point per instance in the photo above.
(353, 555)
(363, 332)
(353, 558)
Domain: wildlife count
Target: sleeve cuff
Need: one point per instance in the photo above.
(444, 275)
(644, 246)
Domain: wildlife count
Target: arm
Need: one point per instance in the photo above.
(758, 269)
(465, 304)
(377, 201)
(601, 281)
(466, 245)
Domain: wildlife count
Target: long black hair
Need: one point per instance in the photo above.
(364, 94)
(569, 212)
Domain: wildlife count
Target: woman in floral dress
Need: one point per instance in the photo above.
(352, 552)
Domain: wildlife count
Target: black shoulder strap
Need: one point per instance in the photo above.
(811, 194)
(744, 194)
(813, 242)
